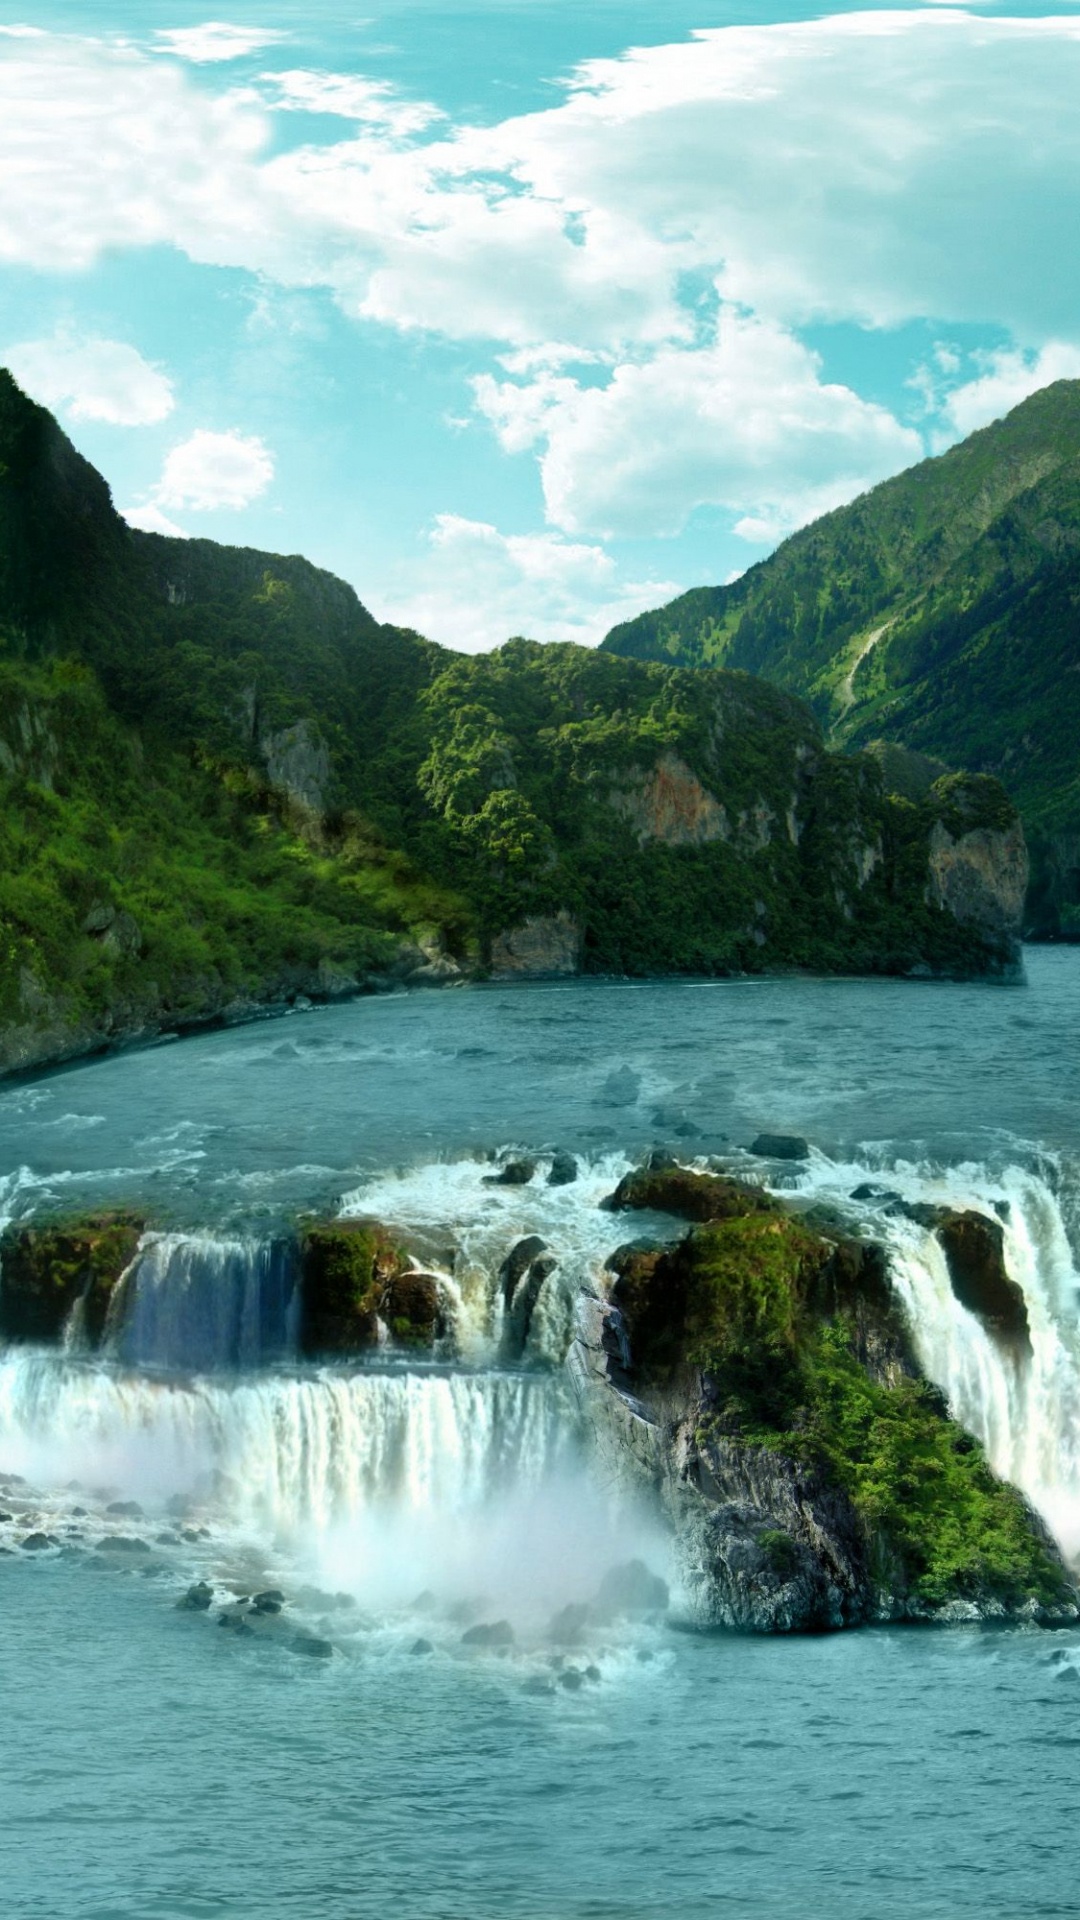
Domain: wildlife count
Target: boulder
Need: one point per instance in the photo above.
(563, 1170)
(781, 1146)
(975, 1251)
(420, 1647)
(311, 1646)
(271, 1601)
(516, 1173)
(495, 1633)
(50, 1267)
(38, 1542)
(669, 1188)
(517, 1264)
(567, 1627)
(197, 1599)
(347, 1268)
(620, 1089)
(632, 1588)
(522, 1305)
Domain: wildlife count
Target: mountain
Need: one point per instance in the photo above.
(939, 612)
(226, 786)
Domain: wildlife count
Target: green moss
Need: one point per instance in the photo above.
(48, 1267)
(767, 1310)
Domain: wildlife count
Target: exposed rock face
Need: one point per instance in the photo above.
(542, 946)
(46, 1270)
(298, 762)
(772, 1548)
(975, 1250)
(981, 876)
(670, 805)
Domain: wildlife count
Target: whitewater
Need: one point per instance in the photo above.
(398, 1504)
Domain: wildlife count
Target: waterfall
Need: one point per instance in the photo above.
(1024, 1408)
(194, 1303)
(281, 1451)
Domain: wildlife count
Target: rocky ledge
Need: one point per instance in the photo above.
(760, 1377)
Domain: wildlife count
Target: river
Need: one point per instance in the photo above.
(358, 1755)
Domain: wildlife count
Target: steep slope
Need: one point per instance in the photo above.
(939, 612)
(225, 784)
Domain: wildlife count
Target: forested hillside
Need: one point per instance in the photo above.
(940, 611)
(226, 785)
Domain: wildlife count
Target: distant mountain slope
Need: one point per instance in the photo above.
(223, 784)
(940, 611)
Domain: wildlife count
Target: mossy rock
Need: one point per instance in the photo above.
(354, 1276)
(687, 1194)
(800, 1351)
(46, 1268)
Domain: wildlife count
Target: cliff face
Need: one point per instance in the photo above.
(284, 799)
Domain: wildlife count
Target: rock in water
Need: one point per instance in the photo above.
(312, 1646)
(620, 1089)
(516, 1173)
(781, 1146)
(38, 1542)
(517, 1264)
(975, 1251)
(421, 1647)
(632, 1588)
(197, 1599)
(495, 1633)
(563, 1171)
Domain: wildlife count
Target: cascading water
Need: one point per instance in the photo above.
(1023, 1407)
(195, 1303)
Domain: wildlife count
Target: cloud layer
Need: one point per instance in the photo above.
(92, 379)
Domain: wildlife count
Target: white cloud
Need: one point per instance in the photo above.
(745, 423)
(91, 379)
(478, 586)
(868, 168)
(215, 40)
(150, 519)
(1003, 380)
(348, 97)
(212, 470)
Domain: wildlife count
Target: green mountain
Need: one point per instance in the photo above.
(938, 612)
(225, 785)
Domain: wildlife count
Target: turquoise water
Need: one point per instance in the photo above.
(156, 1767)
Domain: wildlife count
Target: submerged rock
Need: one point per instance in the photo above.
(567, 1627)
(421, 1647)
(311, 1646)
(620, 1089)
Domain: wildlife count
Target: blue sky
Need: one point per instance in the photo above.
(525, 316)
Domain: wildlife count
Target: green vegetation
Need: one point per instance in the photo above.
(223, 781)
(52, 1265)
(939, 611)
(753, 1302)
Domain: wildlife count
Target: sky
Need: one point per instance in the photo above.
(525, 315)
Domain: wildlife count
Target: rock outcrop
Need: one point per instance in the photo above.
(49, 1270)
(975, 1251)
(544, 946)
(759, 1375)
(359, 1287)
